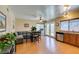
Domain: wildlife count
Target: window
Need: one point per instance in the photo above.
(74, 25)
(64, 25)
(70, 25)
(39, 27)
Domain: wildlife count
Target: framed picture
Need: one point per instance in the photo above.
(2, 22)
(26, 25)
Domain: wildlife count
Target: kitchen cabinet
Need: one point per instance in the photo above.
(77, 40)
(66, 37)
(70, 38)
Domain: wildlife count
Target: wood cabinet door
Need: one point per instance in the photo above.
(66, 37)
(77, 41)
(72, 39)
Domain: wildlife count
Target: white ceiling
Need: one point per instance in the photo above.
(28, 11)
(33, 12)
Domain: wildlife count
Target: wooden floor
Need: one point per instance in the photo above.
(46, 45)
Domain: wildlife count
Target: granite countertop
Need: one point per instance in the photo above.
(68, 32)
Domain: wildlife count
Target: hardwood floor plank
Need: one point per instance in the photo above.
(46, 45)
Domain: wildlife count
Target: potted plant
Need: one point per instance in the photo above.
(33, 29)
(11, 38)
(7, 40)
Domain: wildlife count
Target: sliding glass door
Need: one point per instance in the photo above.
(47, 29)
(50, 29)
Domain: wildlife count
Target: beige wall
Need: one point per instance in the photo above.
(20, 24)
(10, 18)
(71, 15)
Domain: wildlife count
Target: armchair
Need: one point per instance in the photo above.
(19, 38)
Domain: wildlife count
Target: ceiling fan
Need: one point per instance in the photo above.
(42, 20)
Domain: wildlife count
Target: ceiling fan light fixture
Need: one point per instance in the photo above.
(67, 7)
(41, 20)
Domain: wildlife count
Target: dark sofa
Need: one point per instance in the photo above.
(20, 36)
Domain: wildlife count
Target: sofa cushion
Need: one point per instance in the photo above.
(19, 36)
(19, 33)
